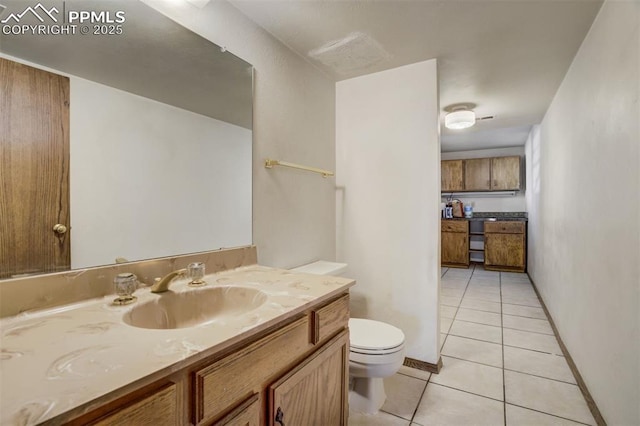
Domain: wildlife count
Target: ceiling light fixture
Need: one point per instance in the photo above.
(460, 118)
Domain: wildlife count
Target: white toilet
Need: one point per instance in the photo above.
(376, 351)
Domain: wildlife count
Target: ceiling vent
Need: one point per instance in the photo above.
(356, 52)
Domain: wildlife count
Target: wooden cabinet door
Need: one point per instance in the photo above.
(455, 249)
(34, 170)
(504, 250)
(315, 392)
(477, 174)
(451, 175)
(505, 173)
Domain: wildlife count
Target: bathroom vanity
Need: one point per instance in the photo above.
(283, 361)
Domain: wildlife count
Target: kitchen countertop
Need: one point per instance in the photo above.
(55, 360)
(502, 216)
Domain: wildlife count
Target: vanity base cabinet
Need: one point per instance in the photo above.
(300, 366)
(220, 386)
(160, 407)
(316, 391)
(246, 414)
(505, 246)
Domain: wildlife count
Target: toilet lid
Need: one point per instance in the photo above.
(369, 335)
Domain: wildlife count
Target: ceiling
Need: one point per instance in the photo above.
(507, 57)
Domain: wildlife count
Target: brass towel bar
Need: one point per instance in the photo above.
(268, 163)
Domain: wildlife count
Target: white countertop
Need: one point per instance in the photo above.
(54, 360)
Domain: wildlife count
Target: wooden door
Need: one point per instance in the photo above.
(451, 175)
(505, 173)
(504, 251)
(477, 174)
(315, 392)
(34, 170)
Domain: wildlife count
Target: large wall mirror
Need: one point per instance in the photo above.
(158, 123)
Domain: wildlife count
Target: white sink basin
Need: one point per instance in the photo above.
(192, 308)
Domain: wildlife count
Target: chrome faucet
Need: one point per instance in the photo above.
(162, 285)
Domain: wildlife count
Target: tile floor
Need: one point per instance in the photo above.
(502, 363)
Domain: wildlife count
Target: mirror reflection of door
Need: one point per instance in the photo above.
(34, 170)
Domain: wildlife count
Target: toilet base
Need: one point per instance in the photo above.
(367, 395)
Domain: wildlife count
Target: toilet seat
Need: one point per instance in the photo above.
(369, 337)
(375, 352)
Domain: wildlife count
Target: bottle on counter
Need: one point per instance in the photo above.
(468, 211)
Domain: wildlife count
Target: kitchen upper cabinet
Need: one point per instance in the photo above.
(451, 175)
(477, 174)
(505, 173)
(481, 174)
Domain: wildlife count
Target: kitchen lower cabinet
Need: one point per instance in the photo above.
(505, 246)
(454, 243)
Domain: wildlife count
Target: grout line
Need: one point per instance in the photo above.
(480, 310)
(474, 338)
(548, 414)
(520, 304)
(475, 362)
(395, 415)
(523, 316)
(532, 350)
(540, 377)
(415, 411)
(466, 391)
(478, 323)
(456, 313)
(414, 377)
(504, 382)
(528, 331)
(471, 338)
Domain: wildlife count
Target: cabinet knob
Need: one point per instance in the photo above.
(279, 416)
(59, 229)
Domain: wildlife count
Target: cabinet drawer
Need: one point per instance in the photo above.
(159, 408)
(454, 226)
(329, 319)
(227, 382)
(246, 414)
(504, 227)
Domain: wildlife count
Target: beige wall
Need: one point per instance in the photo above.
(584, 213)
(294, 120)
(388, 160)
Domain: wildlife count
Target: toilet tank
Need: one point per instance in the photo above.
(322, 267)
